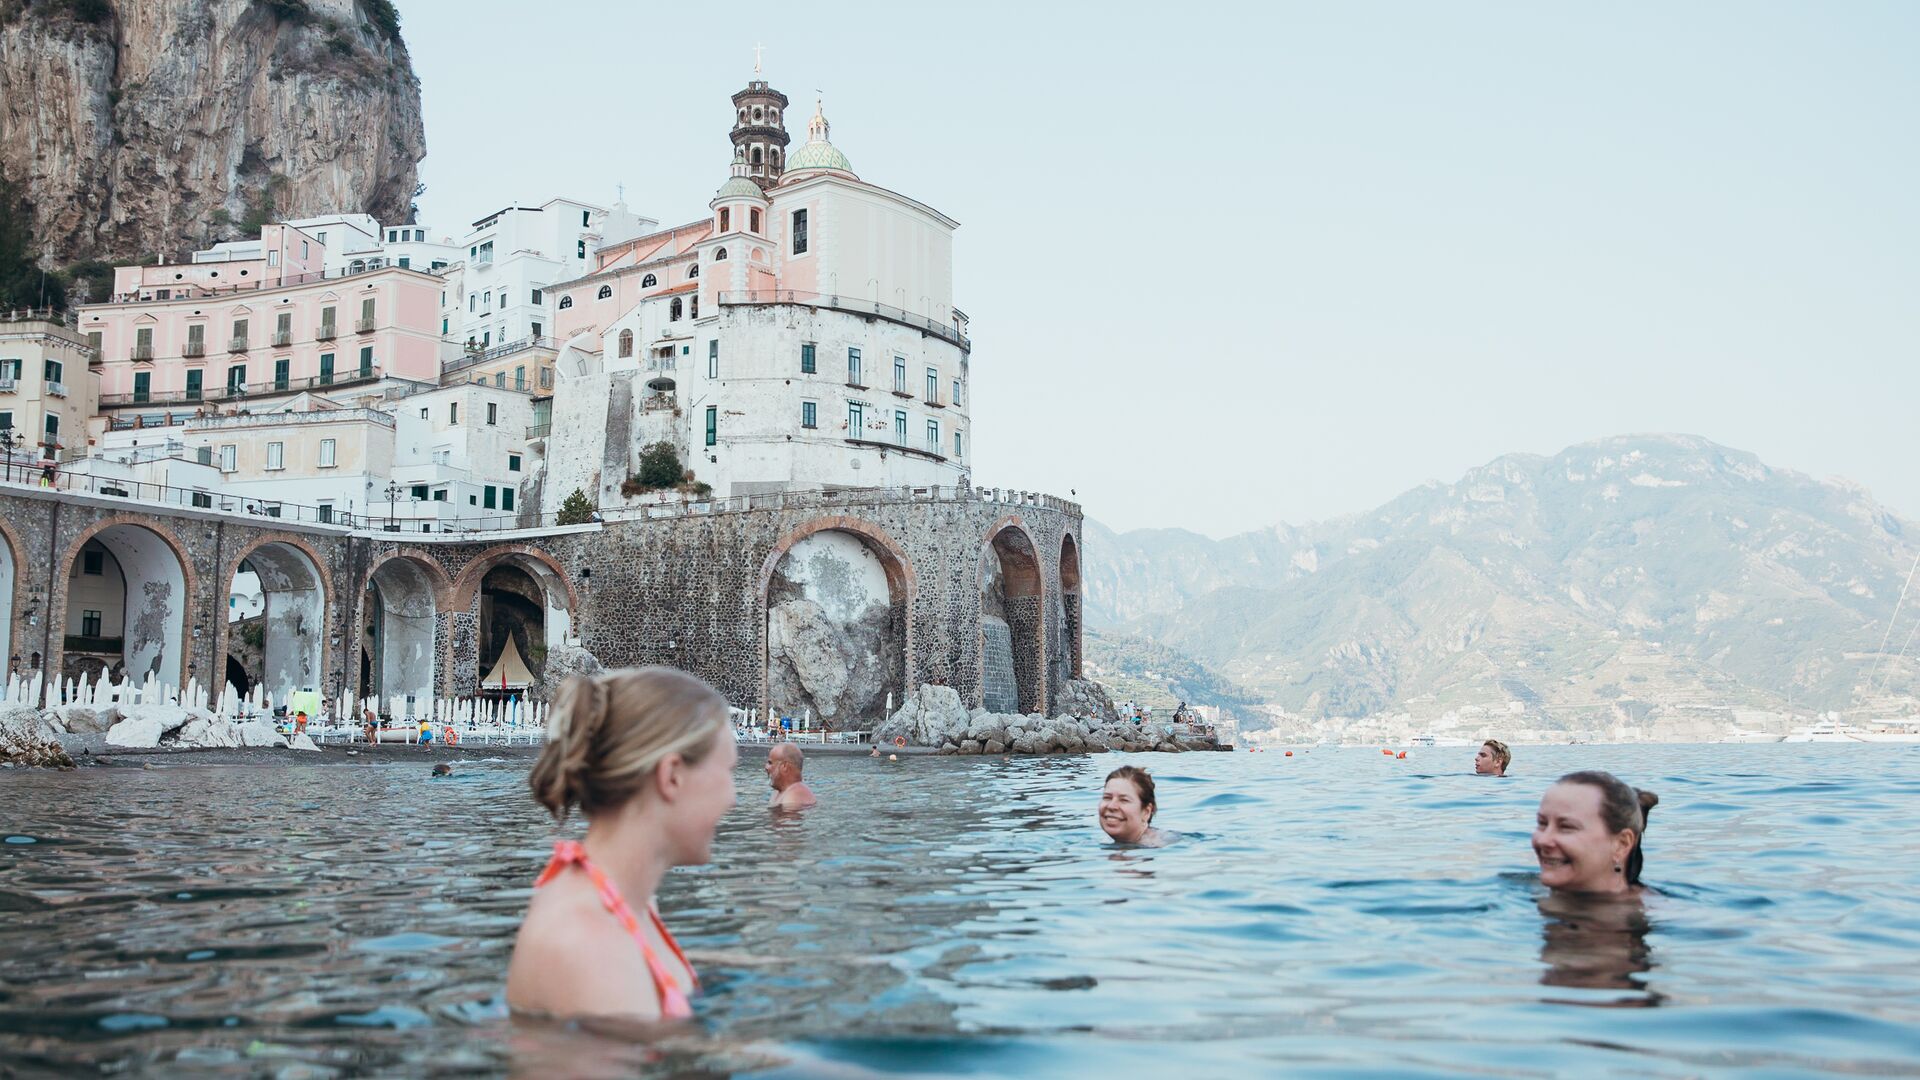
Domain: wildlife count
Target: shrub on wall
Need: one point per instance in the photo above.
(577, 509)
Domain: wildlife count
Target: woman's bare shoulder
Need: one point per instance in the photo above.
(572, 958)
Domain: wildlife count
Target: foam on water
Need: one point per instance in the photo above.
(1331, 913)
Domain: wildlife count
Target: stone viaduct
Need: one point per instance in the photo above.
(371, 611)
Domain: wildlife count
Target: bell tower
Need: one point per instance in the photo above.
(760, 129)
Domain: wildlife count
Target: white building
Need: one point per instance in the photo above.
(512, 255)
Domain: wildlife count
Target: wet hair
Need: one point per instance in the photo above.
(1622, 806)
(608, 731)
(1142, 784)
(1500, 752)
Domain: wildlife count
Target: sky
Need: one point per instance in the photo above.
(1230, 265)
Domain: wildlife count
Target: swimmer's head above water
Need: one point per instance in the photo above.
(1587, 834)
(1126, 804)
(1493, 758)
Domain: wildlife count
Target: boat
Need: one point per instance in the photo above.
(1832, 731)
(1423, 740)
(1737, 735)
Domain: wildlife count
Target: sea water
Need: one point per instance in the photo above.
(1338, 912)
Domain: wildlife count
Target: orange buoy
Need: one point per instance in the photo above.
(1386, 751)
(1289, 753)
(1403, 755)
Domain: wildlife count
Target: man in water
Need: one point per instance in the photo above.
(443, 769)
(1493, 758)
(784, 764)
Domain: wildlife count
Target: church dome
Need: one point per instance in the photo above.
(818, 155)
(739, 187)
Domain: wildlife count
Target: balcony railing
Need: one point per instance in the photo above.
(84, 643)
(854, 305)
(6, 384)
(145, 352)
(238, 344)
(283, 337)
(467, 360)
(57, 389)
(325, 333)
(363, 326)
(191, 348)
(241, 393)
(539, 431)
(148, 294)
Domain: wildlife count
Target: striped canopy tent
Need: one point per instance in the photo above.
(509, 671)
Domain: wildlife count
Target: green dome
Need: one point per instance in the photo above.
(739, 187)
(818, 155)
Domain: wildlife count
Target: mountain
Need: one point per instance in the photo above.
(130, 128)
(1610, 581)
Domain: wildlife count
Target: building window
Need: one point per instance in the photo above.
(326, 369)
(713, 424)
(534, 330)
(440, 495)
(799, 232)
(366, 362)
(649, 281)
(473, 303)
(673, 310)
(693, 307)
(853, 368)
(513, 462)
(900, 426)
(693, 271)
(276, 456)
(142, 385)
(229, 459)
(566, 302)
(196, 341)
(546, 378)
(726, 220)
(580, 250)
(282, 373)
(806, 359)
(488, 499)
(713, 359)
(366, 311)
(406, 263)
(956, 392)
(719, 254)
(957, 445)
(809, 416)
(626, 343)
(499, 380)
(520, 378)
(586, 218)
(89, 623)
(493, 413)
(418, 493)
(239, 333)
(856, 420)
(484, 254)
(753, 219)
(899, 374)
(93, 562)
(605, 293)
(326, 508)
(933, 386)
(453, 412)
(536, 298)
(506, 498)
(194, 378)
(327, 449)
(933, 436)
(52, 370)
(236, 378)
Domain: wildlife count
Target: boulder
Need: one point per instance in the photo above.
(949, 748)
(1029, 744)
(1097, 743)
(140, 732)
(302, 742)
(970, 746)
(25, 722)
(1084, 697)
(80, 720)
(259, 733)
(564, 662)
(208, 732)
(995, 746)
(167, 718)
(931, 715)
(1169, 748)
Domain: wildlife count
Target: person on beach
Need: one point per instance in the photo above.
(300, 722)
(785, 762)
(1587, 834)
(370, 727)
(647, 756)
(1127, 807)
(1493, 758)
(426, 734)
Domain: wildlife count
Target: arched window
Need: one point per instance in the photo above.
(605, 293)
(726, 219)
(719, 254)
(673, 310)
(566, 302)
(743, 116)
(756, 155)
(753, 219)
(626, 343)
(693, 271)
(649, 281)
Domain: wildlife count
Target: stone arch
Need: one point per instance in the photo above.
(297, 592)
(1070, 603)
(559, 603)
(1013, 625)
(10, 586)
(884, 638)
(155, 601)
(398, 629)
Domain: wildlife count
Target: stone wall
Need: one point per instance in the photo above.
(689, 590)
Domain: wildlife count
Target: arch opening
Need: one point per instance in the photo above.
(1011, 624)
(523, 604)
(836, 623)
(1070, 608)
(397, 654)
(126, 607)
(277, 621)
(6, 603)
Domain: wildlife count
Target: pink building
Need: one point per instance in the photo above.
(187, 333)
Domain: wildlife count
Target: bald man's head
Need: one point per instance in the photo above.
(789, 754)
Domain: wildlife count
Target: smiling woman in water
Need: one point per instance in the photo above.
(1587, 834)
(1127, 807)
(647, 755)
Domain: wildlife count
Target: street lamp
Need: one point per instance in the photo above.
(393, 493)
(8, 441)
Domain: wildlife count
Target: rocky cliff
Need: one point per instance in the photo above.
(136, 127)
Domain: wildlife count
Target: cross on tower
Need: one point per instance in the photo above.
(756, 57)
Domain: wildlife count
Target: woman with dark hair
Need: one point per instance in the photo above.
(1587, 834)
(1127, 806)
